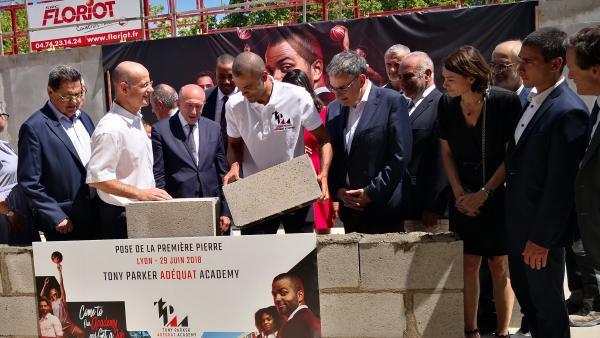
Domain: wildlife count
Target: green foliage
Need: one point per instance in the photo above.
(5, 22)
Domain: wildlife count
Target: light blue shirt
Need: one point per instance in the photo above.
(8, 169)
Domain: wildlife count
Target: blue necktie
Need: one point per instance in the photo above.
(190, 142)
(593, 119)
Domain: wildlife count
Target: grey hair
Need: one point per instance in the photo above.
(348, 63)
(397, 49)
(165, 94)
(62, 73)
(425, 61)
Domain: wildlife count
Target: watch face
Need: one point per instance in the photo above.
(10, 214)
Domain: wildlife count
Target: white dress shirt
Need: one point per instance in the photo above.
(420, 99)
(518, 92)
(220, 97)
(195, 134)
(537, 99)
(300, 307)
(121, 150)
(79, 136)
(354, 115)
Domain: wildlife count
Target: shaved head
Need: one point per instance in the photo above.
(509, 48)
(126, 70)
(191, 102)
(191, 91)
(505, 59)
(133, 86)
(248, 63)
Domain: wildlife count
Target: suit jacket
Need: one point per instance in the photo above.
(425, 183)
(210, 104)
(52, 175)
(174, 167)
(587, 199)
(540, 172)
(304, 324)
(380, 150)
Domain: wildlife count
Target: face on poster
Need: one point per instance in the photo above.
(178, 287)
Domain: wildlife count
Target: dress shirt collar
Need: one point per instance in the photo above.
(365, 97)
(184, 123)
(220, 94)
(539, 98)
(518, 91)
(598, 101)
(125, 114)
(300, 307)
(60, 115)
(173, 111)
(423, 95)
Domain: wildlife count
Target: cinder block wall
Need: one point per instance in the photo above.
(393, 285)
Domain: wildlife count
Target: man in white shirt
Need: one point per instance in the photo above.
(583, 60)
(121, 163)
(163, 101)
(541, 163)
(48, 323)
(265, 125)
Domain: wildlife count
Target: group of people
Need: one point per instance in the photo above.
(500, 152)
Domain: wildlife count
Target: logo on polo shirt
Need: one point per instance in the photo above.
(281, 123)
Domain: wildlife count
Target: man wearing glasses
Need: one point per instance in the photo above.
(372, 142)
(505, 60)
(121, 158)
(54, 149)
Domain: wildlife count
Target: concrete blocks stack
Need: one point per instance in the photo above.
(284, 187)
(392, 285)
(182, 217)
(18, 308)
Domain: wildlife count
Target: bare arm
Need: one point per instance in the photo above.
(118, 188)
(235, 155)
(325, 154)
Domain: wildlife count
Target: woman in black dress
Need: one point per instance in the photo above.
(476, 122)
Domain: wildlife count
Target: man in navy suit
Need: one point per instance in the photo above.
(371, 139)
(424, 186)
(189, 156)
(54, 149)
(217, 96)
(541, 164)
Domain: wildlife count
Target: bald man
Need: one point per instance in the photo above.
(120, 167)
(282, 111)
(505, 60)
(189, 155)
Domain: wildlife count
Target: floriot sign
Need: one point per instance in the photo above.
(76, 23)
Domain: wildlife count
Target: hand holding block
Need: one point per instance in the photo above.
(281, 188)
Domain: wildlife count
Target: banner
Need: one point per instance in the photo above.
(86, 22)
(178, 287)
(178, 61)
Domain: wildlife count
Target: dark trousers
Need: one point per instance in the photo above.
(293, 222)
(588, 277)
(540, 294)
(113, 221)
(370, 222)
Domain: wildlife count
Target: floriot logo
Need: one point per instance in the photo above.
(172, 328)
(90, 10)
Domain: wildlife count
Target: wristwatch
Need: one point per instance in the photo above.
(487, 192)
(10, 214)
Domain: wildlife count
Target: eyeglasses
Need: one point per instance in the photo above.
(69, 97)
(142, 85)
(6, 116)
(500, 67)
(342, 89)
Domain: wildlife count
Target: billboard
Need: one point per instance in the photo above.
(178, 287)
(76, 23)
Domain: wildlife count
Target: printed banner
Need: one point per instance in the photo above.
(89, 18)
(251, 286)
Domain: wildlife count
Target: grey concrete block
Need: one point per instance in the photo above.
(439, 315)
(362, 315)
(18, 316)
(273, 191)
(410, 261)
(181, 217)
(338, 265)
(20, 272)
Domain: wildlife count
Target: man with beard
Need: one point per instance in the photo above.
(299, 320)
(504, 64)
(49, 325)
(217, 96)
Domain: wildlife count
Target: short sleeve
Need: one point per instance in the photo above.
(443, 113)
(310, 117)
(232, 126)
(103, 161)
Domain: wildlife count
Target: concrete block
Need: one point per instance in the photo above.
(412, 226)
(410, 261)
(338, 265)
(18, 316)
(362, 315)
(181, 217)
(273, 191)
(439, 315)
(20, 273)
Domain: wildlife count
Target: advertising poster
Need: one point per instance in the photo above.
(252, 286)
(76, 23)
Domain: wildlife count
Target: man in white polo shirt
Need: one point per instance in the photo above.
(121, 163)
(265, 124)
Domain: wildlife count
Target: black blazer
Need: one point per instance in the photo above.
(587, 198)
(174, 168)
(540, 172)
(210, 104)
(425, 182)
(52, 176)
(380, 151)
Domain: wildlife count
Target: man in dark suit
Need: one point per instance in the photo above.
(217, 96)
(371, 137)
(189, 156)
(424, 186)
(54, 149)
(541, 164)
(299, 320)
(504, 64)
(393, 57)
(583, 60)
